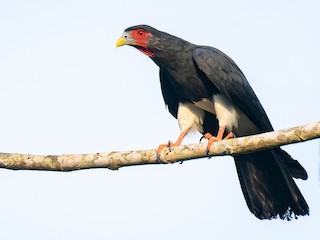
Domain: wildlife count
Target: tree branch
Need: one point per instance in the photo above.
(115, 160)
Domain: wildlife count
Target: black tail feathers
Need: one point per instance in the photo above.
(267, 183)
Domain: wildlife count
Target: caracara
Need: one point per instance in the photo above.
(207, 92)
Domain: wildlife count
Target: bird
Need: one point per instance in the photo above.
(206, 91)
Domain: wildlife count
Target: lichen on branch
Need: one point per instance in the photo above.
(115, 160)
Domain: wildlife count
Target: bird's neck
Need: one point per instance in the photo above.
(168, 51)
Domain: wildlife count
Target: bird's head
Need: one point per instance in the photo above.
(140, 37)
(161, 47)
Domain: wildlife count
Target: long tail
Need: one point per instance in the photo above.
(267, 183)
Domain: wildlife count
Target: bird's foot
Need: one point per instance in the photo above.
(163, 146)
(168, 145)
(211, 139)
(171, 144)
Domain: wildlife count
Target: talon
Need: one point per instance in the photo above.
(171, 144)
(211, 139)
(161, 147)
(217, 138)
(207, 151)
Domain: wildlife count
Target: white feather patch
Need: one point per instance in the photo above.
(228, 115)
(190, 117)
(225, 111)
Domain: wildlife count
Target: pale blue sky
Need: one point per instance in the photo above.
(65, 88)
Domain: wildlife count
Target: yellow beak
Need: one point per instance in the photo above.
(120, 42)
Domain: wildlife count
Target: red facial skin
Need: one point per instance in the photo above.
(141, 37)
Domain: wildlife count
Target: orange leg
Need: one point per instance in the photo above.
(219, 137)
(171, 144)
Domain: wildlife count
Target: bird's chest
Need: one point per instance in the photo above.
(187, 84)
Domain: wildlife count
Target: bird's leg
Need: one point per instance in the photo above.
(219, 137)
(171, 144)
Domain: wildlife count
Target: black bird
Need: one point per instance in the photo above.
(207, 92)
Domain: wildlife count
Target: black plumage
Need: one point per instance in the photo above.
(189, 74)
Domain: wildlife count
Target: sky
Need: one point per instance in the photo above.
(65, 88)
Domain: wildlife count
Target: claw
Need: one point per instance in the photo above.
(217, 138)
(160, 148)
(207, 151)
(171, 144)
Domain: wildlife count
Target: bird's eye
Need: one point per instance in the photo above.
(140, 33)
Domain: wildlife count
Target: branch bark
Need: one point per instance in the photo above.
(115, 160)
